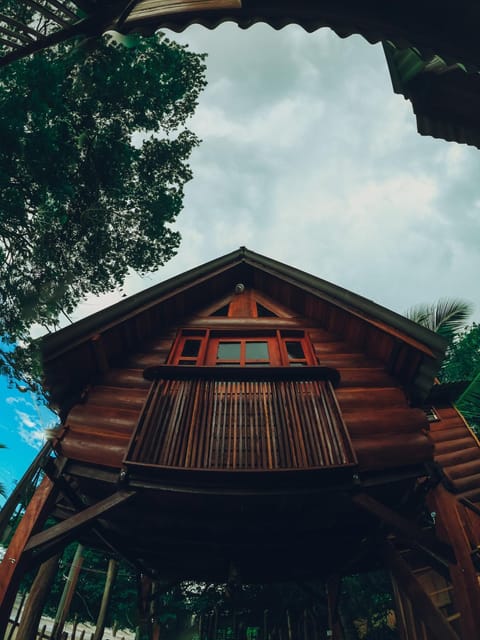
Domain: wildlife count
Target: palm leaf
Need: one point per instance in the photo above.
(445, 317)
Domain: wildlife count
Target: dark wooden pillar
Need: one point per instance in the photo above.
(466, 590)
(15, 561)
(333, 595)
(37, 597)
(68, 593)
(144, 629)
(107, 593)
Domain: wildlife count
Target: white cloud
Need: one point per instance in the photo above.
(29, 430)
(308, 156)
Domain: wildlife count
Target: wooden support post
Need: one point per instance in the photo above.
(14, 624)
(333, 595)
(424, 608)
(466, 590)
(15, 559)
(37, 597)
(107, 594)
(68, 592)
(144, 600)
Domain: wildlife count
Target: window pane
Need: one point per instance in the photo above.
(191, 348)
(294, 350)
(188, 362)
(227, 364)
(256, 351)
(228, 351)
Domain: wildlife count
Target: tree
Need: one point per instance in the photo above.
(91, 176)
(445, 317)
(462, 360)
(462, 363)
(463, 357)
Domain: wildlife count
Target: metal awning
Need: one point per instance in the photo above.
(32, 25)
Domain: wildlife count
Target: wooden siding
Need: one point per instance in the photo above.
(457, 451)
(385, 431)
(98, 429)
(235, 425)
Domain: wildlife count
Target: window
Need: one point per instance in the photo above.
(231, 352)
(261, 348)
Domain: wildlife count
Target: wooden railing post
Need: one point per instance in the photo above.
(15, 560)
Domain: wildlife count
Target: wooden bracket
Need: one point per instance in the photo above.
(68, 528)
(440, 551)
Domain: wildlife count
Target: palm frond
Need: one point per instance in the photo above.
(445, 317)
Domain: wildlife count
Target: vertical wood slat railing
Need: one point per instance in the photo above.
(197, 423)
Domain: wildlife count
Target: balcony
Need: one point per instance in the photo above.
(241, 419)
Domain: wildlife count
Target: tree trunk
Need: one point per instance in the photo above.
(37, 597)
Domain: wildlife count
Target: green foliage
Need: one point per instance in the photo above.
(91, 176)
(446, 317)
(367, 601)
(463, 364)
(88, 595)
(463, 357)
(469, 403)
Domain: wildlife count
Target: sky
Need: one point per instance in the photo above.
(309, 158)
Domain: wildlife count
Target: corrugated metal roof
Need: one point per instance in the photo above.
(445, 97)
(419, 23)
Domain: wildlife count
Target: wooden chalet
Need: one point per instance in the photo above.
(246, 416)
(443, 39)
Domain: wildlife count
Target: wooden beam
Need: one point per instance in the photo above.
(20, 26)
(15, 34)
(67, 594)
(61, 6)
(39, 592)
(172, 372)
(439, 550)
(332, 586)
(69, 527)
(466, 589)
(28, 480)
(14, 561)
(47, 13)
(107, 594)
(429, 614)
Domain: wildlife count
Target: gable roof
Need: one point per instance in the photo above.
(407, 349)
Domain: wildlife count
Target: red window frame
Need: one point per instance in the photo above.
(280, 354)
